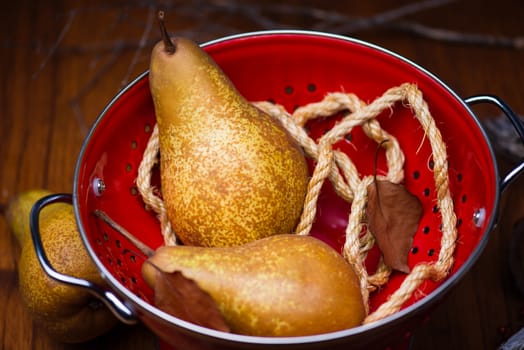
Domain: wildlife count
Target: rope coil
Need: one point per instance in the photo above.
(347, 183)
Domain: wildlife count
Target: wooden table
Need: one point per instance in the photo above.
(61, 62)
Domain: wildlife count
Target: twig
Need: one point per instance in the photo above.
(141, 246)
(54, 48)
(447, 35)
(389, 16)
(109, 32)
(102, 47)
(142, 43)
(87, 87)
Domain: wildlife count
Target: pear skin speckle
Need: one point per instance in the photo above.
(230, 173)
(18, 209)
(65, 312)
(283, 285)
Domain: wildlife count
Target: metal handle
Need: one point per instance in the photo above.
(519, 127)
(121, 311)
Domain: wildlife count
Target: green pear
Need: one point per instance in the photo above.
(230, 174)
(282, 285)
(67, 313)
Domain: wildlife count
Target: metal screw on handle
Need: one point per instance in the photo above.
(517, 124)
(121, 311)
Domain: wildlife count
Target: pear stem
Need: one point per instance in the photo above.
(169, 46)
(141, 246)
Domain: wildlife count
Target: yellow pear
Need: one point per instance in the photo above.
(18, 209)
(282, 285)
(230, 173)
(67, 313)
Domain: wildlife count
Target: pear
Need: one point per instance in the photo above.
(67, 313)
(230, 174)
(18, 209)
(282, 285)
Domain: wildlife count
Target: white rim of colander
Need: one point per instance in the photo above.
(363, 330)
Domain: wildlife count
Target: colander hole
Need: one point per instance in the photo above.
(459, 222)
(270, 100)
(118, 244)
(129, 167)
(348, 137)
(133, 280)
(435, 209)
(459, 177)
(426, 192)
(123, 279)
(464, 198)
(134, 144)
(119, 262)
(132, 258)
(431, 252)
(416, 174)
(414, 250)
(134, 191)
(106, 237)
(440, 226)
(425, 230)
(147, 128)
(98, 241)
(311, 87)
(110, 261)
(288, 90)
(431, 164)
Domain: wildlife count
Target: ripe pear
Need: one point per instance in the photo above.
(18, 209)
(230, 174)
(282, 285)
(67, 313)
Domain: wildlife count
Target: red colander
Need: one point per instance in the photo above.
(292, 69)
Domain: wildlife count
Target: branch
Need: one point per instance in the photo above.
(446, 35)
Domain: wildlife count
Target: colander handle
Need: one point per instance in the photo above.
(515, 120)
(121, 311)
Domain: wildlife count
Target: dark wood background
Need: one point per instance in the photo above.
(61, 62)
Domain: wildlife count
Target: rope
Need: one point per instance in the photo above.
(149, 193)
(344, 176)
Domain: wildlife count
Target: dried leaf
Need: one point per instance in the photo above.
(183, 298)
(393, 217)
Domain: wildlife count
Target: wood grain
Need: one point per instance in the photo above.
(62, 61)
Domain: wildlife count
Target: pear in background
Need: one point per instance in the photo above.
(67, 313)
(282, 285)
(230, 174)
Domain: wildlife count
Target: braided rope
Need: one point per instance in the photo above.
(148, 192)
(441, 267)
(347, 183)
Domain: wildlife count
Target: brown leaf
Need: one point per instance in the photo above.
(393, 217)
(183, 298)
